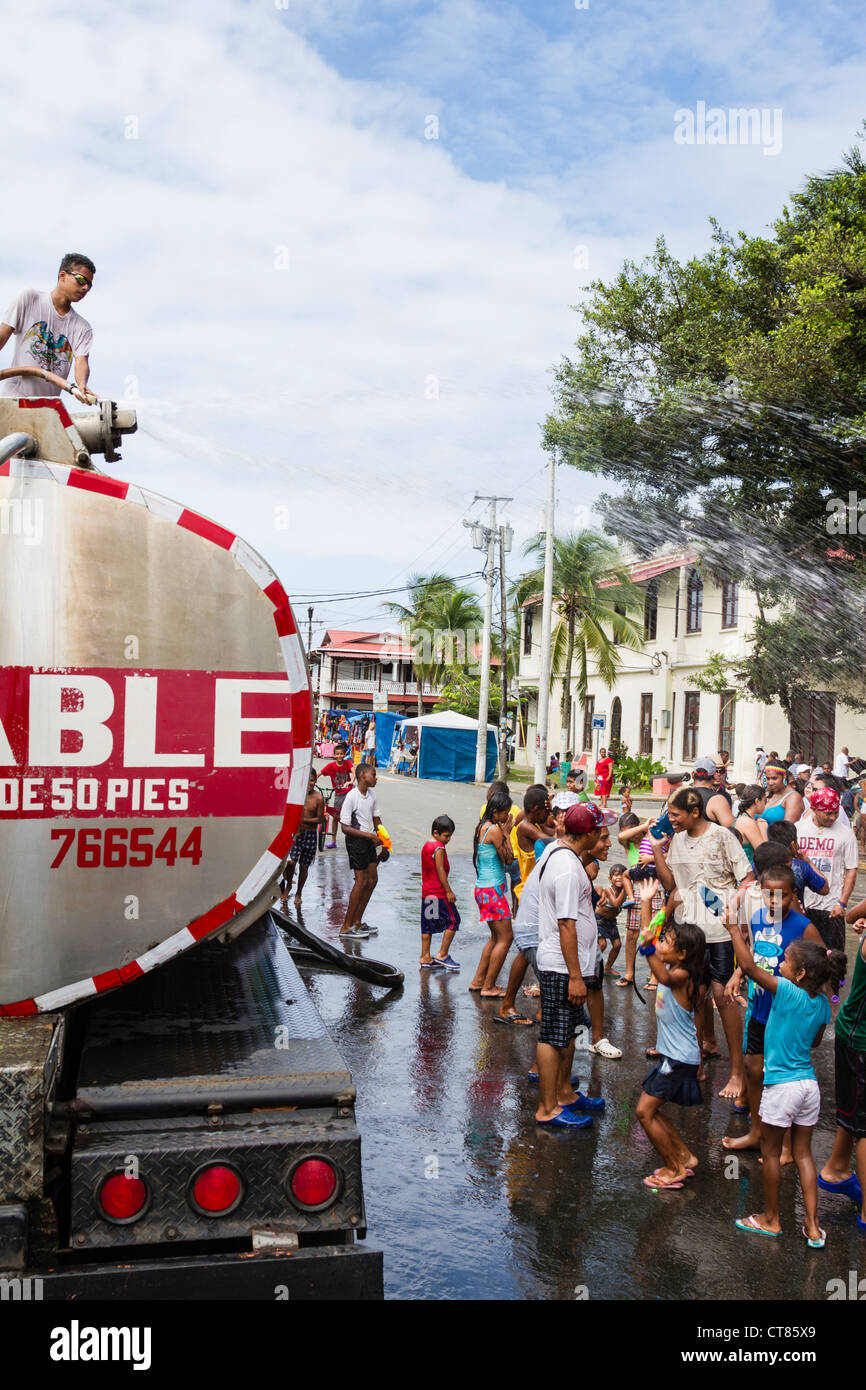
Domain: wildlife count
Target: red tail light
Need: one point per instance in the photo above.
(216, 1190)
(122, 1198)
(313, 1183)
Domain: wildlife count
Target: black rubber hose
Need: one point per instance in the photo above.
(374, 972)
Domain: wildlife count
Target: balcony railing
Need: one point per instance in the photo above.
(361, 687)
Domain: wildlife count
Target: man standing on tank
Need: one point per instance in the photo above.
(50, 334)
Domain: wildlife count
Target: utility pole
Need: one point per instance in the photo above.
(309, 631)
(546, 629)
(484, 538)
(504, 544)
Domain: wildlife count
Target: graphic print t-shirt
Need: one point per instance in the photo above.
(43, 338)
(342, 775)
(832, 850)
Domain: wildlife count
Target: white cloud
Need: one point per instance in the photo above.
(313, 383)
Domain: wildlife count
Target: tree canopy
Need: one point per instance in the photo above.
(724, 396)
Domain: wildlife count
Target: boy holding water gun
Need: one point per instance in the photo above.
(367, 845)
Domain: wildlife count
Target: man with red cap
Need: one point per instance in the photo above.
(567, 953)
(825, 834)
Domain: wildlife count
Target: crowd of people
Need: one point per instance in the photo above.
(736, 898)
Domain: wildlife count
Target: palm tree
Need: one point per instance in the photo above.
(437, 618)
(592, 596)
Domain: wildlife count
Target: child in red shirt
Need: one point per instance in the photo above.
(438, 912)
(341, 773)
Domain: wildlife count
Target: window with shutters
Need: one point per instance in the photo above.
(730, 604)
(694, 602)
(527, 631)
(651, 611)
(646, 725)
(588, 711)
(691, 716)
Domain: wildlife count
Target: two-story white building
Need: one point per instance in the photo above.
(655, 707)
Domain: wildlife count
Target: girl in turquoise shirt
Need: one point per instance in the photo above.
(800, 1013)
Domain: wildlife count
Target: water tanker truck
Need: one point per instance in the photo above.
(175, 1121)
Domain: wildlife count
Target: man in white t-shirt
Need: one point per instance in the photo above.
(50, 334)
(840, 767)
(567, 951)
(359, 822)
(825, 834)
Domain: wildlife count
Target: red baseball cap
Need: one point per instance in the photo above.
(583, 819)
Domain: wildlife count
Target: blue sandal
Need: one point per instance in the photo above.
(566, 1119)
(849, 1187)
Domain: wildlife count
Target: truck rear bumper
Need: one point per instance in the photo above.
(324, 1272)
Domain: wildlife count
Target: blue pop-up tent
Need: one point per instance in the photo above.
(385, 726)
(446, 746)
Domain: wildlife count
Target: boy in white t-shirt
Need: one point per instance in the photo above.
(50, 334)
(359, 822)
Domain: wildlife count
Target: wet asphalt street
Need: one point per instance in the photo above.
(466, 1197)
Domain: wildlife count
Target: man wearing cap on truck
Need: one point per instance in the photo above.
(50, 334)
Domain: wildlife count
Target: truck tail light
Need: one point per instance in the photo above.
(215, 1190)
(122, 1198)
(313, 1184)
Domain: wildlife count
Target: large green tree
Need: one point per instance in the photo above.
(724, 396)
(594, 603)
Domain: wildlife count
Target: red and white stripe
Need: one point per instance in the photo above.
(301, 701)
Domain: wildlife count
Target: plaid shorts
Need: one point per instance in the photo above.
(559, 1017)
(632, 915)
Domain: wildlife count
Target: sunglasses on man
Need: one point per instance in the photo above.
(80, 280)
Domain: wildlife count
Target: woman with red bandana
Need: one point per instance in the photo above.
(825, 834)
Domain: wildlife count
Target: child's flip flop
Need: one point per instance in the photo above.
(658, 1185)
(816, 1244)
(750, 1224)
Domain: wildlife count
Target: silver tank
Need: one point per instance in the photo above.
(155, 730)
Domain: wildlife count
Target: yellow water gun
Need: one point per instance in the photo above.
(384, 837)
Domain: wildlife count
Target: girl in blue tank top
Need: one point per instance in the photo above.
(491, 855)
(676, 960)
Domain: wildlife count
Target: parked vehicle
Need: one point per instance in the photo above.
(175, 1121)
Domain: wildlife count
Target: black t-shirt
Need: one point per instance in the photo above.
(707, 793)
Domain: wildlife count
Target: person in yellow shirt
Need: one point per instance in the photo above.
(535, 824)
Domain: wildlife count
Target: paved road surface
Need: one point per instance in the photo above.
(466, 1197)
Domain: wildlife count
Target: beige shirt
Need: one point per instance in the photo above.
(714, 861)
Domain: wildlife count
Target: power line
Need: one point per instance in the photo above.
(345, 597)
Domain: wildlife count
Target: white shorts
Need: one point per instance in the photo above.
(791, 1103)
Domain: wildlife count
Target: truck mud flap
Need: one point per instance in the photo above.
(325, 1272)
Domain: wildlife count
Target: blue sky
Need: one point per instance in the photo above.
(334, 328)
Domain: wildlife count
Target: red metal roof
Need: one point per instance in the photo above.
(642, 570)
(639, 571)
(352, 642)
